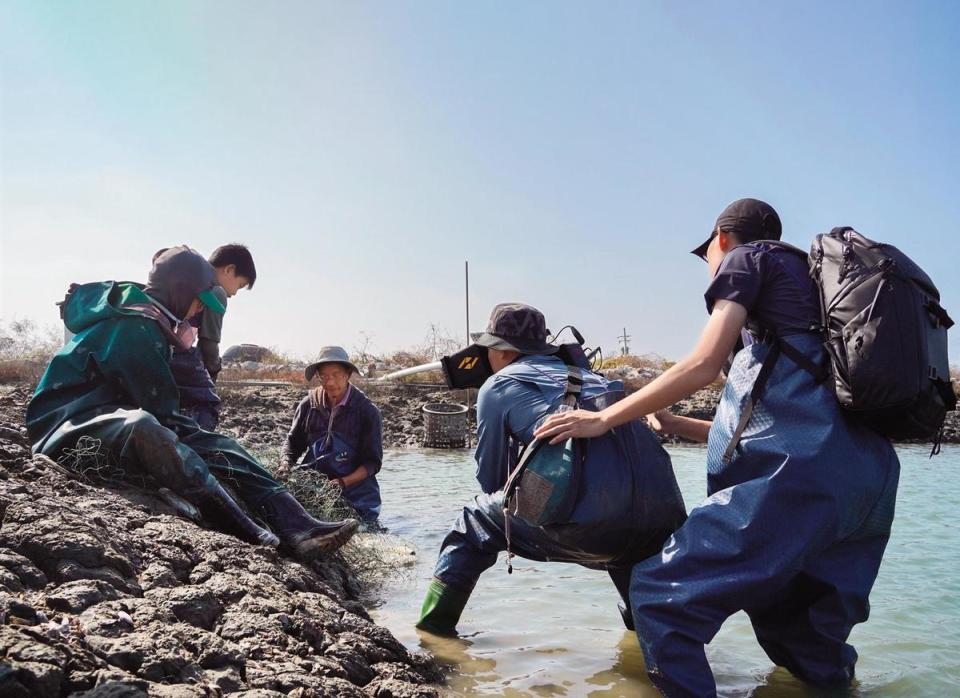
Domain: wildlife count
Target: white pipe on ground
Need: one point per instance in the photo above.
(402, 373)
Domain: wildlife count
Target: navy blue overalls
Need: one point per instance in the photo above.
(792, 532)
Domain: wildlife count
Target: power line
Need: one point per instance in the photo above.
(624, 340)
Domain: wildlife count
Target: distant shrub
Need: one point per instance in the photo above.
(650, 361)
(407, 359)
(25, 350)
(284, 374)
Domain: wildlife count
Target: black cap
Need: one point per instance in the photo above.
(749, 220)
(517, 327)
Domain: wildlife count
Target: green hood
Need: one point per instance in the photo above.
(88, 304)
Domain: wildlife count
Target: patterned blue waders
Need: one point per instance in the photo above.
(792, 532)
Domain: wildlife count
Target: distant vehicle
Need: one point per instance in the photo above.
(239, 353)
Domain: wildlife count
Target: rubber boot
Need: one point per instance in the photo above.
(304, 535)
(225, 507)
(180, 505)
(627, 615)
(441, 608)
(621, 580)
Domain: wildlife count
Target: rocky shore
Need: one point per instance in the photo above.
(106, 592)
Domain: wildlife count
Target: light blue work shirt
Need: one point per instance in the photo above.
(511, 405)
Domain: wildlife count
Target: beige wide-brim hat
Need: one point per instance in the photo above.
(330, 355)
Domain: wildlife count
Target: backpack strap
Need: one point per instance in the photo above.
(571, 395)
(777, 346)
(766, 368)
(820, 372)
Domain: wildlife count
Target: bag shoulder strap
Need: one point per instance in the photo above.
(766, 368)
(780, 244)
(571, 395)
(777, 346)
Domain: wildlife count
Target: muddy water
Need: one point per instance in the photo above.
(553, 629)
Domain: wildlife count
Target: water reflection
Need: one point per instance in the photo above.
(627, 676)
(472, 672)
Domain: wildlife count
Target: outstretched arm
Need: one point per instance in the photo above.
(683, 379)
(665, 422)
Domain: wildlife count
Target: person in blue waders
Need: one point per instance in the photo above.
(799, 508)
(627, 502)
(342, 432)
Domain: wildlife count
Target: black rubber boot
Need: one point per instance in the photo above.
(224, 507)
(304, 535)
(621, 580)
(626, 615)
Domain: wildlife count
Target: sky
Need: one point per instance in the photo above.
(573, 152)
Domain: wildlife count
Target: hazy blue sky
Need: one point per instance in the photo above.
(573, 153)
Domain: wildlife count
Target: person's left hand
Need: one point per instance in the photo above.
(662, 421)
(582, 424)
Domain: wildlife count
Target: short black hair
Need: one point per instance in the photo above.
(237, 255)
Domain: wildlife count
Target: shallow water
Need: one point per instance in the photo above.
(552, 629)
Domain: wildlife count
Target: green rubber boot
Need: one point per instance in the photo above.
(441, 608)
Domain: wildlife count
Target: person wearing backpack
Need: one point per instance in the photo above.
(622, 506)
(801, 497)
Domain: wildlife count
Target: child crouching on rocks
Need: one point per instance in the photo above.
(111, 386)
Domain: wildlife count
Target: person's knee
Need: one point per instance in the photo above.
(160, 454)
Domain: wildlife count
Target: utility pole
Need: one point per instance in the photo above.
(466, 294)
(623, 339)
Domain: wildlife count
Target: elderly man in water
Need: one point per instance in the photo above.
(341, 431)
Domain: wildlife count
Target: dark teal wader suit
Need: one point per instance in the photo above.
(111, 388)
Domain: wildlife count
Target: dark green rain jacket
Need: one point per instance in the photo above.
(119, 357)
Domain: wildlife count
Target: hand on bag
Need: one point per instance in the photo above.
(581, 424)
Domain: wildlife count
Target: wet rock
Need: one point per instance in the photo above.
(17, 612)
(190, 604)
(228, 679)
(115, 689)
(103, 592)
(398, 671)
(395, 688)
(20, 567)
(76, 597)
(157, 575)
(33, 665)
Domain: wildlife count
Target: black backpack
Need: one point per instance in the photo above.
(885, 333)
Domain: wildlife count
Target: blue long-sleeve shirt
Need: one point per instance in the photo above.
(512, 404)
